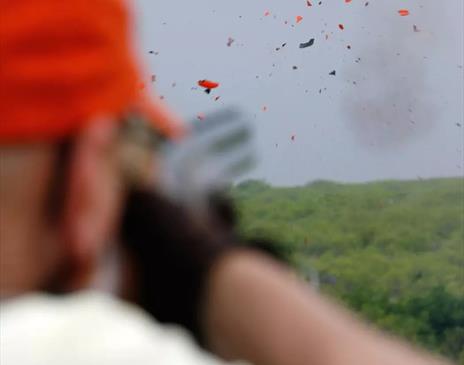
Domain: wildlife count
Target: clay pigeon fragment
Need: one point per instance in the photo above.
(403, 12)
(333, 73)
(307, 44)
(208, 85)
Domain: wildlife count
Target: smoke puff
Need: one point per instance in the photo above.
(391, 101)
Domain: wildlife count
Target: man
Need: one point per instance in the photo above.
(70, 177)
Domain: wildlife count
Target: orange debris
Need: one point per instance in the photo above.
(403, 12)
(207, 84)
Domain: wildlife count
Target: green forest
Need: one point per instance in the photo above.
(393, 251)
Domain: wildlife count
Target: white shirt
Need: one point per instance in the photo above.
(89, 328)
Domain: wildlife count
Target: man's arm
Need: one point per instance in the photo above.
(241, 304)
(258, 311)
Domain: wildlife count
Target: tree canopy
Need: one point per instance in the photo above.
(392, 250)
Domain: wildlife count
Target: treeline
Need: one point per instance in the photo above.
(393, 251)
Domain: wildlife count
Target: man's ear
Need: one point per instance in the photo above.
(94, 194)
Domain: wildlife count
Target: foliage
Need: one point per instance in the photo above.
(393, 251)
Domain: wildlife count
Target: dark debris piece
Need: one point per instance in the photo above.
(295, 67)
(307, 44)
(230, 40)
(333, 73)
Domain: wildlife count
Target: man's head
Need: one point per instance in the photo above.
(67, 75)
(59, 206)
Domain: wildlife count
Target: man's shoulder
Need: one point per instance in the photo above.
(89, 327)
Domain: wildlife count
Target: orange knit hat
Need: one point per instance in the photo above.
(63, 62)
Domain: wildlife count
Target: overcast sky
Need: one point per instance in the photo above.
(394, 109)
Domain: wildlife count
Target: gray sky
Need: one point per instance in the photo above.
(391, 111)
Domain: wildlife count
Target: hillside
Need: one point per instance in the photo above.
(393, 251)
